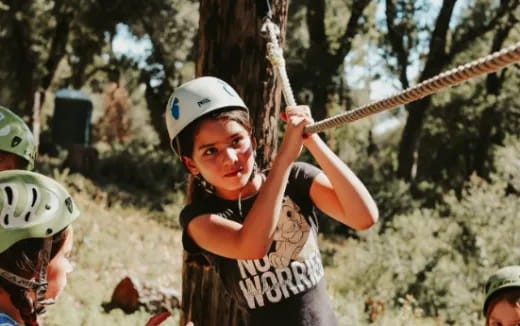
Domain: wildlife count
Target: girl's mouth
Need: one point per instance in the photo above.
(233, 173)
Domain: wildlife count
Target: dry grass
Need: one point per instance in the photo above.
(111, 243)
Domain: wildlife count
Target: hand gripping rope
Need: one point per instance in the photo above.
(485, 65)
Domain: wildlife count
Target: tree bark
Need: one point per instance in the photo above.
(23, 60)
(230, 47)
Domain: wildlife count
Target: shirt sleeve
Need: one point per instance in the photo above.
(302, 175)
(190, 212)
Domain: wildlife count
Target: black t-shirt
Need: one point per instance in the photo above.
(286, 286)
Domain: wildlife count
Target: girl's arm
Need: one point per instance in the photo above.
(337, 191)
(253, 238)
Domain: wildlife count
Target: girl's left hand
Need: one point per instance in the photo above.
(300, 112)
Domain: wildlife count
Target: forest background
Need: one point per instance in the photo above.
(444, 171)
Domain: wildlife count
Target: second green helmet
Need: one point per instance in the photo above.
(16, 137)
(32, 206)
(504, 278)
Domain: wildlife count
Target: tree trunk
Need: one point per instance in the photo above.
(320, 53)
(156, 100)
(230, 47)
(437, 59)
(24, 62)
(491, 116)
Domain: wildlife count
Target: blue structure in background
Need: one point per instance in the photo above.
(72, 117)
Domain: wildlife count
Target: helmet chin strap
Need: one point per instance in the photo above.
(44, 255)
(39, 286)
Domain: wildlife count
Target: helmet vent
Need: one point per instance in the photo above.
(68, 203)
(9, 194)
(49, 231)
(6, 219)
(16, 140)
(35, 196)
(27, 216)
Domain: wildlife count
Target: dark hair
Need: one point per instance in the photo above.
(22, 259)
(187, 136)
(510, 294)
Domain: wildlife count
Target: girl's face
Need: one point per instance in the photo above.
(223, 155)
(59, 268)
(504, 314)
(8, 161)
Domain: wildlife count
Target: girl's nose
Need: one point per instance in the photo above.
(230, 155)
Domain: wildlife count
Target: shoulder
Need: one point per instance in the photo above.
(191, 211)
(300, 181)
(302, 172)
(208, 205)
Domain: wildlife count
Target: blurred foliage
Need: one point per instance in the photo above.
(110, 243)
(438, 258)
(461, 32)
(63, 43)
(146, 176)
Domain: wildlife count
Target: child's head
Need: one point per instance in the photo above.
(192, 103)
(209, 128)
(17, 147)
(35, 240)
(502, 303)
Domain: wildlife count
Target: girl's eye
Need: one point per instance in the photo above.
(210, 151)
(236, 141)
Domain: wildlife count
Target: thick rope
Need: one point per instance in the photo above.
(275, 56)
(485, 65)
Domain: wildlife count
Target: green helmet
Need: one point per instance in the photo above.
(16, 137)
(32, 206)
(507, 277)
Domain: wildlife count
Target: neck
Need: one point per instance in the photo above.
(7, 307)
(250, 189)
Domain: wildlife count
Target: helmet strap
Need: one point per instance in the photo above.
(44, 257)
(40, 285)
(177, 147)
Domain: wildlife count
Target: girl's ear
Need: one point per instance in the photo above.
(190, 165)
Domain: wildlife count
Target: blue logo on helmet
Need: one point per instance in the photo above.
(226, 88)
(174, 108)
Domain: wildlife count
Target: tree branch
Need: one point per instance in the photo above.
(438, 41)
(353, 26)
(397, 43)
(465, 39)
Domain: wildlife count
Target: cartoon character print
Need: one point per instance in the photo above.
(291, 235)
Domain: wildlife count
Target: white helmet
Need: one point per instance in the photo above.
(196, 98)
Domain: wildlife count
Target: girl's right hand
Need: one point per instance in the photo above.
(297, 117)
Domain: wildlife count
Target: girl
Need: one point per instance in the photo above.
(35, 242)
(260, 230)
(17, 148)
(502, 304)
